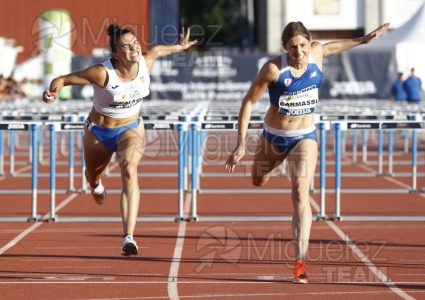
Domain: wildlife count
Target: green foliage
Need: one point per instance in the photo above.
(216, 23)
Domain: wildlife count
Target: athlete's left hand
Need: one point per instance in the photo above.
(234, 158)
(375, 34)
(184, 39)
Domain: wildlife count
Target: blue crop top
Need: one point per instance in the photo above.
(296, 96)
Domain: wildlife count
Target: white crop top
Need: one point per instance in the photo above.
(121, 99)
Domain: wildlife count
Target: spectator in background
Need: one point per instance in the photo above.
(413, 87)
(397, 90)
(2, 88)
(10, 89)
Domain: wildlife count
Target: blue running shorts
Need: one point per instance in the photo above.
(110, 136)
(286, 143)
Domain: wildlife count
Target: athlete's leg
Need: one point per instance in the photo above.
(266, 160)
(302, 164)
(96, 157)
(131, 147)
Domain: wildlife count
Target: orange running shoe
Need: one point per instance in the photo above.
(300, 275)
(99, 193)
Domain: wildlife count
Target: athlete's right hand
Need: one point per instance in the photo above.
(50, 96)
(234, 158)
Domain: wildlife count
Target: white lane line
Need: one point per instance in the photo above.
(61, 280)
(33, 227)
(172, 288)
(38, 224)
(219, 296)
(19, 237)
(390, 179)
(27, 231)
(48, 248)
(63, 259)
(64, 203)
(20, 170)
(395, 181)
(382, 277)
(283, 294)
(79, 267)
(412, 260)
(386, 280)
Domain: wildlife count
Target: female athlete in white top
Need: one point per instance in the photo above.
(114, 123)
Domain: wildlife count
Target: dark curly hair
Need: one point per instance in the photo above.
(115, 32)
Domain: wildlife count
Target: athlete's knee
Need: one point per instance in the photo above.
(260, 174)
(129, 170)
(300, 191)
(259, 180)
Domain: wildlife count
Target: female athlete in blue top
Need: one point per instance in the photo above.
(292, 79)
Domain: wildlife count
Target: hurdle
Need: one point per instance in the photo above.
(65, 121)
(183, 144)
(340, 126)
(191, 129)
(13, 142)
(33, 129)
(200, 127)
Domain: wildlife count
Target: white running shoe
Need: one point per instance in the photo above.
(129, 246)
(99, 193)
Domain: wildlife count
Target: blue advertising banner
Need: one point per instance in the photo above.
(220, 76)
(206, 76)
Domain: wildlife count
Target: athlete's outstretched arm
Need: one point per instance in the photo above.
(164, 50)
(337, 47)
(95, 74)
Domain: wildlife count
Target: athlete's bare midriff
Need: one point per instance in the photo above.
(108, 122)
(276, 120)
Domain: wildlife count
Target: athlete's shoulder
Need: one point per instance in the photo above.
(273, 64)
(317, 49)
(270, 71)
(96, 74)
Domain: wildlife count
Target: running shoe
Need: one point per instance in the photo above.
(129, 246)
(300, 275)
(99, 193)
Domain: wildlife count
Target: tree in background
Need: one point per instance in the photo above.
(220, 23)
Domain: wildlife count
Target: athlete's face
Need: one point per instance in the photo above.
(128, 48)
(298, 49)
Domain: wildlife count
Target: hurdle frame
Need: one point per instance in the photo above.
(198, 127)
(156, 125)
(379, 125)
(32, 128)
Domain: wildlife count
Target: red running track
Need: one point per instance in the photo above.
(215, 259)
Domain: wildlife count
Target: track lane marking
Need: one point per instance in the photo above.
(381, 276)
(34, 226)
(172, 287)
